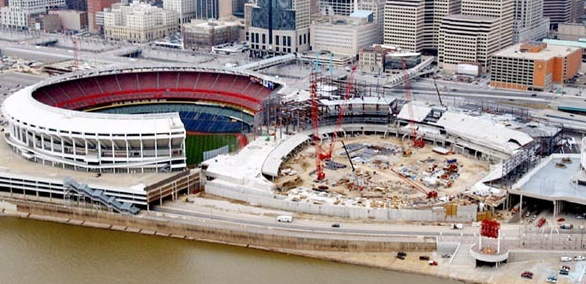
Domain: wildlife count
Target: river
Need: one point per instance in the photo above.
(44, 252)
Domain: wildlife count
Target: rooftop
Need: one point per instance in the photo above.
(554, 179)
(551, 51)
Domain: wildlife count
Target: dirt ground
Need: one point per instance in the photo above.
(383, 175)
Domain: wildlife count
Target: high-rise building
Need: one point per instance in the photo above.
(503, 10)
(238, 8)
(93, 7)
(404, 24)
(278, 27)
(19, 12)
(185, 9)
(212, 9)
(558, 11)
(466, 38)
(79, 5)
(139, 22)
(377, 7)
(337, 7)
(530, 25)
(414, 24)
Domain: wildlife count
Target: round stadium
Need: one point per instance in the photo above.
(134, 119)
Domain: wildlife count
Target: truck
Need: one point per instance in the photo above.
(285, 218)
(565, 258)
(457, 226)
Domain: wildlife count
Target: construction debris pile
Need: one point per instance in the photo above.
(375, 174)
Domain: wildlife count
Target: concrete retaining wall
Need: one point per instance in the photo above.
(465, 213)
(232, 234)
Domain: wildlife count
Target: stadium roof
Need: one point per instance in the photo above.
(25, 108)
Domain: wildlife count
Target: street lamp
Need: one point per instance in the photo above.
(581, 236)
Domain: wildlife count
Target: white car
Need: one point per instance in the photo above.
(579, 258)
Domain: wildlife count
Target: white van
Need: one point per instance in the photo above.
(284, 218)
(565, 259)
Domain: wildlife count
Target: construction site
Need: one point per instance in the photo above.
(376, 172)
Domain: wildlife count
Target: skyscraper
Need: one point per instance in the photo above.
(558, 11)
(414, 24)
(280, 26)
(530, 25)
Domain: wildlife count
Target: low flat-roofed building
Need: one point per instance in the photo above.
(581, 43)
(384, 58)
(208, 33)
(534, 66)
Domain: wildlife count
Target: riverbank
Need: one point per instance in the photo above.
(354, 251)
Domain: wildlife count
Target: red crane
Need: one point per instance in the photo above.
(427, 192)
(342, 108)
(319, 169)
(321, 153)
(417, 140)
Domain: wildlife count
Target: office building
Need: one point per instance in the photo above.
(205, 34)
(278, 27)
(18, 14)
(534, 66)
(343, 35)
(414, 24)
(139, 22)
(529, 25)
(93, 7)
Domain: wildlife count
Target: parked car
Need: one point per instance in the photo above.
(433, 263)
(447, 255)
(552, 279)
(335, 225)
(565, 259)
(423, 257)
(566, 226)
(527, 274)
(564, 272)
(579, 258)
(401, 255)
(566, 268)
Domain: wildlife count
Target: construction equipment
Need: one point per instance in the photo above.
(418, 141)
(349, 84)
(405, 151)
(315, 123)
(438, 93)
(428, 193)
(321, 153)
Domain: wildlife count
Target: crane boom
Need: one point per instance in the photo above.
(438, 93)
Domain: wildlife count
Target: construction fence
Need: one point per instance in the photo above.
(463, 213)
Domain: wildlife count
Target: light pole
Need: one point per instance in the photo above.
(581, 236)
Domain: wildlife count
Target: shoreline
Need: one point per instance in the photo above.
(150, 224)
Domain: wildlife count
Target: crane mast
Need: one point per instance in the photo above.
(417, 141)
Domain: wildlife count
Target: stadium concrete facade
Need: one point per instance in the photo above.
(54, 122)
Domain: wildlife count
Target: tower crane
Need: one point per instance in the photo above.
(417, 140)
